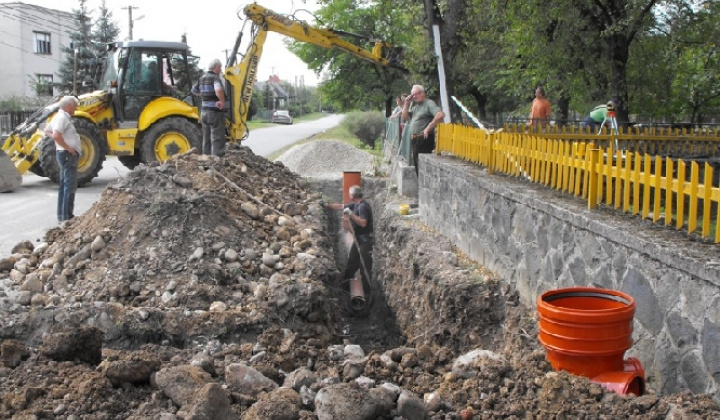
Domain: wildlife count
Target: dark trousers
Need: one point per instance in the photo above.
(365, 266)
(213, 130)
(68, 184)
(421, 144)
(589, 122)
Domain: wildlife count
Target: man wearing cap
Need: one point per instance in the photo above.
(597, 116)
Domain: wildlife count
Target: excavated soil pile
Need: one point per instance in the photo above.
(207, 288)
(322, 159)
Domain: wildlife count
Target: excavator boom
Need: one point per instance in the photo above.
(241, 78)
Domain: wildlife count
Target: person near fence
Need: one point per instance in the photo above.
(597, 116)
(424, 115)
(397, 112)
(540, 109)
(68, 149)
(210, 88)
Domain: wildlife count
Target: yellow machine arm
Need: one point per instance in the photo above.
(241, 78)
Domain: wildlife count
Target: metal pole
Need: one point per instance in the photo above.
(441, 73)
(75, 53)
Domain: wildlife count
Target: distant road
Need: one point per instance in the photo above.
(266, 141)
(30, 211)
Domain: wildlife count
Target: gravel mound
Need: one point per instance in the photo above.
(327, 159)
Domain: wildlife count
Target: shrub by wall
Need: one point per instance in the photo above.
(367, 126)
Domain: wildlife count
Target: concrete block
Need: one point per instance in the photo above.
(407, 181)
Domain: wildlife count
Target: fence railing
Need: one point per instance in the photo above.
(397, 138)
(11, 119)
(634, 173)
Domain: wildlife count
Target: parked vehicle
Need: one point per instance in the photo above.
(281, 117)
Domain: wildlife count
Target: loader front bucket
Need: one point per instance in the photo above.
(10, 178)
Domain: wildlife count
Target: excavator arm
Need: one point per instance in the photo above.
(240, 79)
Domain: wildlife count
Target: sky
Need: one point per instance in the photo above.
(211, 31)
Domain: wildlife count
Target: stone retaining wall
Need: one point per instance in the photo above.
(539, 239)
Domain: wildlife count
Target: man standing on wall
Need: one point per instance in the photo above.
(210, 89)
(68, 149)
(424, 116)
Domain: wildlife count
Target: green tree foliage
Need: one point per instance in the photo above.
(71, 81)
(354, 83)
(105, 31)
(186, 77)
(695, 57)
(367, 126)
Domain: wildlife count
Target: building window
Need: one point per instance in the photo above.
(44, 86)
(42, 43)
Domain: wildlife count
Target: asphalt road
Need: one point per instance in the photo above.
(30, 211)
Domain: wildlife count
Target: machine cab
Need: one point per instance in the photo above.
(138, 72)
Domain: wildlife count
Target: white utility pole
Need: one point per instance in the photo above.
(441, 74)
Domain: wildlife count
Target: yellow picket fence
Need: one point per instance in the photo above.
(624, 177)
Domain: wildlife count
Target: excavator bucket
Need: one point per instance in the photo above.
(10, 178)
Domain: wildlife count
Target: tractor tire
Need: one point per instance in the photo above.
(169, 137)
(37, 166)
(130, 162)
(94, 149)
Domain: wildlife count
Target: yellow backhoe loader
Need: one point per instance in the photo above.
(139, 118)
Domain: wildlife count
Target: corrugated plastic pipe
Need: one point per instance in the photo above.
(586, 332)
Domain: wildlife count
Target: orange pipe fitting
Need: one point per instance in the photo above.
(350, 179)
(586, 332)
(357, 294)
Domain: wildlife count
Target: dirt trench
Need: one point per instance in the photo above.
(199, 264)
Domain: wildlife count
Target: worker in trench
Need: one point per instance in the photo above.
(358, 220)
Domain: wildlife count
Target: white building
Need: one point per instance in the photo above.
(30, 47)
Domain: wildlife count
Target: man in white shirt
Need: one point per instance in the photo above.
(68, 150)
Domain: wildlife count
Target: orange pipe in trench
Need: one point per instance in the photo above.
(357, 294)
(586, 332)
(350, 179)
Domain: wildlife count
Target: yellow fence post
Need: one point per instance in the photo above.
(593, 161)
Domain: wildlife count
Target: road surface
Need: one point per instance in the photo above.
(30, 211)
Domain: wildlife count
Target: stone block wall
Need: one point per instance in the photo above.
(539, 239)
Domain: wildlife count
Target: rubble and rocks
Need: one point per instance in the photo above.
(207, 288)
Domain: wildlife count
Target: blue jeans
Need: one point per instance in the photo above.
(589, 122)
(68, 184)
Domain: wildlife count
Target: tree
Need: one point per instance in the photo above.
(77, 55)
(352, 82)
(695, 88)
(105, 31)
(186, 77)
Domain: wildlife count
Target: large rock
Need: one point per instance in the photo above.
(211, 403)
(246, 380)
(10, 178)
(343, 401)
(180, 383)
(281, 404)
